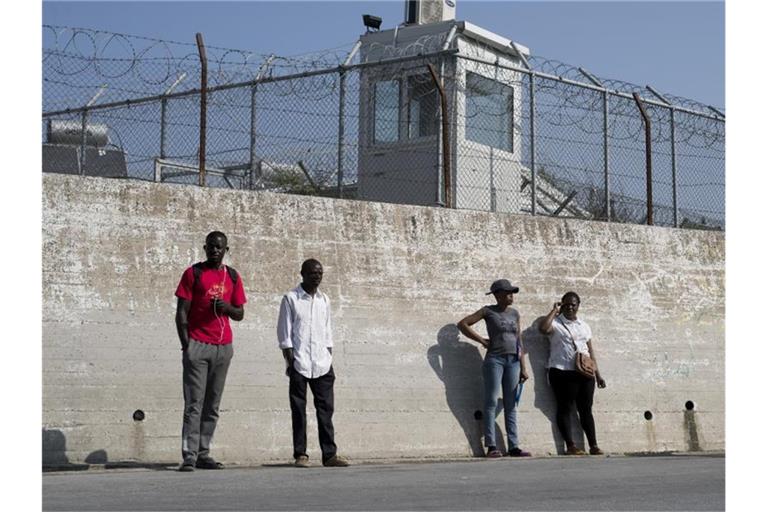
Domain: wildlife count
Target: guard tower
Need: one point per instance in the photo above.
(400, 145)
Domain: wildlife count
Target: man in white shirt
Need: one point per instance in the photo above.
(304, 335)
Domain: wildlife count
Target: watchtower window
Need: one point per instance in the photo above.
(386, 111)
(422, 106)
(489, 112)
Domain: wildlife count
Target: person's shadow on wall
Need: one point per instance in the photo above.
(537, 347)
(459, 366)
(55, 452)
(55, 456)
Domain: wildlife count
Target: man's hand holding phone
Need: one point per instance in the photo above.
(219, 306)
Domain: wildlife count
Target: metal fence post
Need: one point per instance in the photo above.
(342, 111)
(163, 107)
(672, 144)
(440, 197)
(254, 163)
(203, 104)
(674, 166)
(445, 136)
(340, 153)
(648, 160)
(252, 144)
(83, 136)
(532, 99)
(606, 173)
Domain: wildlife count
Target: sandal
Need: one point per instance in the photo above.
(493, 453)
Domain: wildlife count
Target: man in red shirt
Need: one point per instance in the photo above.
(209, 294)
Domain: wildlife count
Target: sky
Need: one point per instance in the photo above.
(676, 47)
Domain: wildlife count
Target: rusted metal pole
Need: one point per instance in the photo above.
(648, 163)
(203, 103)
(446, 137)
(532, 108)
(83, 140)
(340, 147)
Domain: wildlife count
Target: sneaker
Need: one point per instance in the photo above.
(337, 461)
(596, 451)
(572, 450)
(187, 466)
(302, 461)
(493, 453)
(208, 464)
(517, 452)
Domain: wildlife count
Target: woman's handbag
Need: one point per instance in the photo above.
(585, 365)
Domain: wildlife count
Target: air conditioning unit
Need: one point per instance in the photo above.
(421, 12)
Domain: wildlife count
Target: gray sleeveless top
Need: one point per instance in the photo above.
(503, 330)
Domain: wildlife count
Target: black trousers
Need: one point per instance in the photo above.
(322, 391)
(570, 387)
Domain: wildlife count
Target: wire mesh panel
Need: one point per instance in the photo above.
(700, 162)
(181, 140)
(569, 146)
(348, 147)
(296, 135)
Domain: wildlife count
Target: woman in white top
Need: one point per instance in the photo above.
(567, 334)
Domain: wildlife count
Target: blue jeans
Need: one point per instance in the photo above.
(500, 373)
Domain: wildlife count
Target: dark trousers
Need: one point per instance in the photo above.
(570, 387)
(205, 372)
(322, 391)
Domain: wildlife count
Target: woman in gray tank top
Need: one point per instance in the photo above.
(503, 366)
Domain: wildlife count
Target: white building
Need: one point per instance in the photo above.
(400, 149)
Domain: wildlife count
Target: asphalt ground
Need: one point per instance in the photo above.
(674, 482)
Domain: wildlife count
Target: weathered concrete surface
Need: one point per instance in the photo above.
(399, 277)
(621, 483)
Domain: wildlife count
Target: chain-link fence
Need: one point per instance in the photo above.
(496, 135)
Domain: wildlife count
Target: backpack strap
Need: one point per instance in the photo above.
(232, 274)
(197, 270)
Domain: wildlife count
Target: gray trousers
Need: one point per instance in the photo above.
(205, 371)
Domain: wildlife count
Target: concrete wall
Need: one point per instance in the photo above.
(399, 277)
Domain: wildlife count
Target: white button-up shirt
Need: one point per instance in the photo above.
(304, 325)
(562, 354)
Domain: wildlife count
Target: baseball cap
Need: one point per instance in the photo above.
(502, 285)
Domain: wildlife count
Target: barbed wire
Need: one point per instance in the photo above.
(127, 66)
(154, 64)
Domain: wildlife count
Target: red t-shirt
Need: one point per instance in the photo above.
(204, 325)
